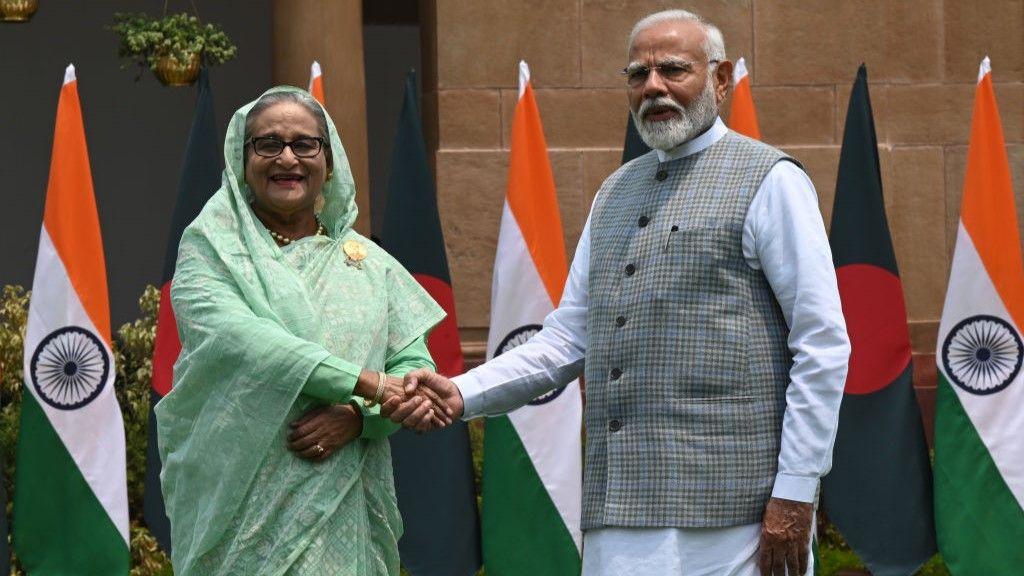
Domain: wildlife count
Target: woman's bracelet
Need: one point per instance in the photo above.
(381, 380)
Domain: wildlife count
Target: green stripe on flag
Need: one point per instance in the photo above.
(59, 526)
(979, 523)
(522, 535)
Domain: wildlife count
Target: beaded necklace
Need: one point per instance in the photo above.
(282, 239)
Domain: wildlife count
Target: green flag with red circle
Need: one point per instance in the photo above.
(878, 493)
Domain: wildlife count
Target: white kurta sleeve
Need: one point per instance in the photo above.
(784, 236)
(551, 359)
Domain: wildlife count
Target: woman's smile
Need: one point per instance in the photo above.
(288, 180)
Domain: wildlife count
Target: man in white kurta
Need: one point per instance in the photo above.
(674, 103)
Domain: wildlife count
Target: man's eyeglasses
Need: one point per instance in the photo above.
(673, 70)
(272, 146)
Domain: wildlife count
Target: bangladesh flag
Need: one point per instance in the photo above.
(633, 146)
(200, 178)
(433, 472)
(879, 490)
(979, 412)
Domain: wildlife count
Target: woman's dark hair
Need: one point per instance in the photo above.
(307, 101)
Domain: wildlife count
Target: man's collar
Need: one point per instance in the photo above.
(694, 145)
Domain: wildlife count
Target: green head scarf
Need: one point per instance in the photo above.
(339, 211)
(254, 321)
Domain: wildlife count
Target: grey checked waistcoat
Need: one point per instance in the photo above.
(687, 362)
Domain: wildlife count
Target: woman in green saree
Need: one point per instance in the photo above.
(285, 316)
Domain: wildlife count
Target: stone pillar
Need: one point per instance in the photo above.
(331, 32)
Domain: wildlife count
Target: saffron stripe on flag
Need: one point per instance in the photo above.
(742, 115)
(316, 82)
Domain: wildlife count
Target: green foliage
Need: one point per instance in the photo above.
(133, 356)
(13, 313)
(834, 555)
(934, 567)
(831, 560)
(147, 558)
(476, 442)
(144, 40)
(133, 351)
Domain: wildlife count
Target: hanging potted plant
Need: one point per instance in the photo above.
(173, 47)
(17, 10)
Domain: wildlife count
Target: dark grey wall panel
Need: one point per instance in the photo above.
(390, 50)
(136, 131)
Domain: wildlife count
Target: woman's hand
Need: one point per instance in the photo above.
(427, 402)
(366, 386)
(393, 388)
(325, 430)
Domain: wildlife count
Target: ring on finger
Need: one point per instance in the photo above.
(320, 450)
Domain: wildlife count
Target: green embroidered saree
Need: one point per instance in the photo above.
(255, 320)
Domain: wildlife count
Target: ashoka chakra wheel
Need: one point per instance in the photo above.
(518, 337)
(69, 368)
(982, 354)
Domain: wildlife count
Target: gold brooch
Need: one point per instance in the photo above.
(356, 253)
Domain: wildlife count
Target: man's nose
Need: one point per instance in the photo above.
(654, 85)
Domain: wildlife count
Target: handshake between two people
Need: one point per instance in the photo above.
(429, 402)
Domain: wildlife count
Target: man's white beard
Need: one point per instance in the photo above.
(692, 120)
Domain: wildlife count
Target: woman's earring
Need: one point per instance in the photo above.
(318, 204)
(329, 174)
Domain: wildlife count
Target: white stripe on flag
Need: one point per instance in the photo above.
(518, 295)
(94, 433)
(997, 417)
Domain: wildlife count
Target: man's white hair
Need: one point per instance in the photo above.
(714, 43)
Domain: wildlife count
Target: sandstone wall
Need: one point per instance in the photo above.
(922, 58)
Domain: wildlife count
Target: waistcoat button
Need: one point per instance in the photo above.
(620, 321)
(661, 175)
(616, 373)
(630, 269)
(643, 221)
(615, 425)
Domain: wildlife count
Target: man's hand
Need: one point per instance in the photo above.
(325, 430)
(423, 385)
(785, 535)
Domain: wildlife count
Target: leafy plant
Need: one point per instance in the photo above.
(133, 356)
(133, 350)
(145, 40)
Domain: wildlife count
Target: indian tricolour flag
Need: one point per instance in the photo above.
(316, 82)
(979, 414)
(70, 498)
(742, 115)
(532, 457)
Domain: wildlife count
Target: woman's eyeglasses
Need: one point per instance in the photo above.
(272, 146)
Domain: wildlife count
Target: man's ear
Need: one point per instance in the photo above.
(723, 80)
